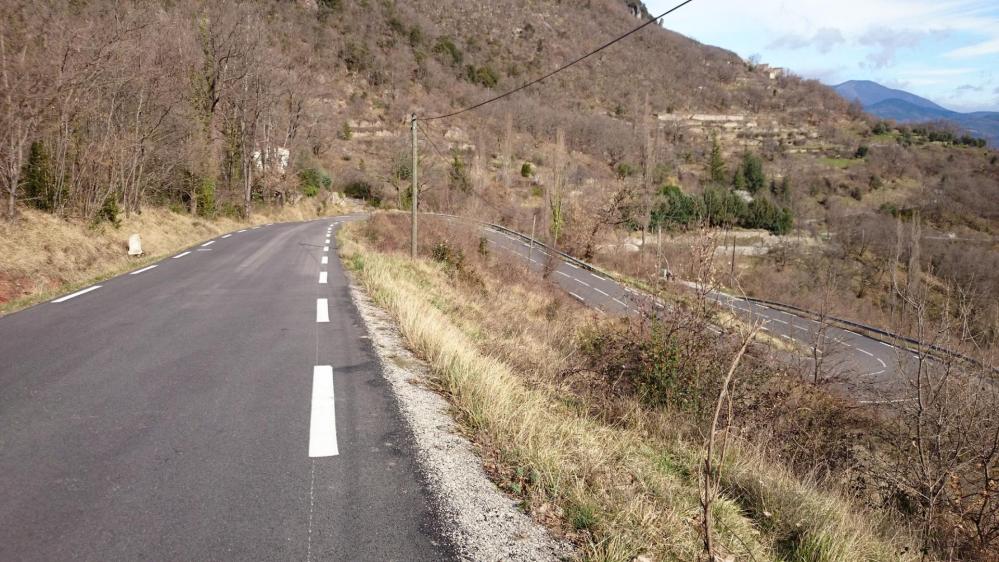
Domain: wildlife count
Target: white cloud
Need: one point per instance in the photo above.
(990, 47)
(889, 41)
(824, 40)
(852, 17)
(915, 41)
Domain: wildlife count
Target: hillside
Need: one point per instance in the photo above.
(901, 106)
(217, 110)
(661, 159)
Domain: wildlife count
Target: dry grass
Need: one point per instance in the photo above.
(42, 255)
(619, 489)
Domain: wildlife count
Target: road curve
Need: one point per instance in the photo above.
(223, 403)
(866, 364)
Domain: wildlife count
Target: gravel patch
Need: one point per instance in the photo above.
(483, 523)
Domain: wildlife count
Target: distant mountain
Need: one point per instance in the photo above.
(906, 111)
(904, 107)
(870, 93)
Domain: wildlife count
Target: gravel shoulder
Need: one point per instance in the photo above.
(482, 522)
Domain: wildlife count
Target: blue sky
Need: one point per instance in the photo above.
(944, 50)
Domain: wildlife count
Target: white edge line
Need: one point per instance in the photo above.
(209, 243)
(144, 269)
(238, 231)
(181, 255)
(78, 293)
(227, 235)
(865, 352)
(579, 298)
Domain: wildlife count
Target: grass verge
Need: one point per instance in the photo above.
(619, 488)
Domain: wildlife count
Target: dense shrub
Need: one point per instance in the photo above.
(360, 189)
(675, 209)
(482, 75)
(38, 182)
(763, 213)
(312, 180)
(206, 197)
(723, 207)
(109, 212)
(447, 52)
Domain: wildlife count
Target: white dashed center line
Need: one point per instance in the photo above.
(865, 352)
(326, 248)
(322, 277)
(78, 293)
(322, 310)
(325, 260)
(322, 425)
(564, 274)
(601, 292)
(181, 255)
(143, 270)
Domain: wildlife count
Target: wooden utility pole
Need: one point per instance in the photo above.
(416, 190)
(530, 254)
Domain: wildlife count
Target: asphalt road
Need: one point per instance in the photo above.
(865, 365)
(223, 404)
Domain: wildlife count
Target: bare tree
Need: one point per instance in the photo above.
(556, 189)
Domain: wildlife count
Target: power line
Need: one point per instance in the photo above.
(561, 68)
(431, 141)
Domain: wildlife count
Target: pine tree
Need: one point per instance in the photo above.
(738, 180)
(716, 165)
(752, 169)
(39, 187)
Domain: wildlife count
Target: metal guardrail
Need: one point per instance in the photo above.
(871, 331)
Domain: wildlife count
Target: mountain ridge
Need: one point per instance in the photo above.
(906, 107)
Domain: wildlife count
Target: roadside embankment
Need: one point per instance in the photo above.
(584, 456)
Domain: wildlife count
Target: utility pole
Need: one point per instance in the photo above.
(416, 190)
(530, 254)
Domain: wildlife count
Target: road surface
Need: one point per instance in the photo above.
(223, 403)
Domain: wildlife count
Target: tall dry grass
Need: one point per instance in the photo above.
(620, 489)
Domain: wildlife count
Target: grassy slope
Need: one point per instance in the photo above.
(42, 255)
(620, 490)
